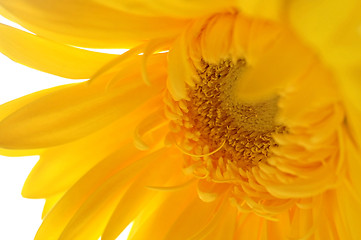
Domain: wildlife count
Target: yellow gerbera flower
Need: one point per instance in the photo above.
(225, 119)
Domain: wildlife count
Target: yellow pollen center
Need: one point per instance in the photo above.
(244, 130)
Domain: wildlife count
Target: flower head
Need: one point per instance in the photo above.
(224, 120)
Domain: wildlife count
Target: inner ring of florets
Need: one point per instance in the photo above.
(215, 128)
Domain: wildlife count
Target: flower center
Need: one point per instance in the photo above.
(219, 133)
(244, 129)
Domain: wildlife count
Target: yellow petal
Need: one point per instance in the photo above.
(174, 8)
(225, 225)
(60, 167)
(179, 70)
(156, 223)
(71, 113)
(93, 216)
(349, 192)
(209, 191)
(136, 199)
(146, 127)
(280, 228)
(116, 171)
(326, 24)
(213, 46)
(87, 23)
(51, 174)
(271, 63)
(250, 226)
(50, 203)
(318, 180)
(195, 217)
(48, 56)
(292, 104)
(332, 28)
(10, 107)
(269, 9)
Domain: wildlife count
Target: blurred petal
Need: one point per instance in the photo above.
(333, 29)
(156, 222)
(50, 203)
(93, 216)
(72, 112)
(87, 23)
(10, 107)
(51, 174)
(138, 195)
(174, 8)
(269, 9)
(114, 172)
(272, 63)
(48, 56)
(193, 219)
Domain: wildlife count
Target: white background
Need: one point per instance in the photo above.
(20, 217)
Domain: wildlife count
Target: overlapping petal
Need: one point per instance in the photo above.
(76, 110)
(49, 56)
(295, 50)
(176, 8)
(88, 23)
(51, 174)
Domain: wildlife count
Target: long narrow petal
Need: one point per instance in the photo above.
(10, 107)
(50, 203)
(123, 166)
(156, 223)
(196, 216)
(87, 23)
(51, 174)
(71, 113)
(48, 56)
(91, 219)
(138, 196)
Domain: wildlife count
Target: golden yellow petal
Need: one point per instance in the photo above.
(209, 191)
(269, 9)
(333, 30)
(349, 192)
(93, 216)
(10, 107)
(303, 223)
(87, 23)
(196, 216)
(250, 226)
(71, 113)
(271, 63)
(326, 24)
(223, 226)
(51, 174)
(179, 70)
(161, 213)
(144, 136)
(137, 197)
(350, 211)
(113, 173)
(175, 8)
(48, 56)
(156, 222)
(278, 229)
(50, 203)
